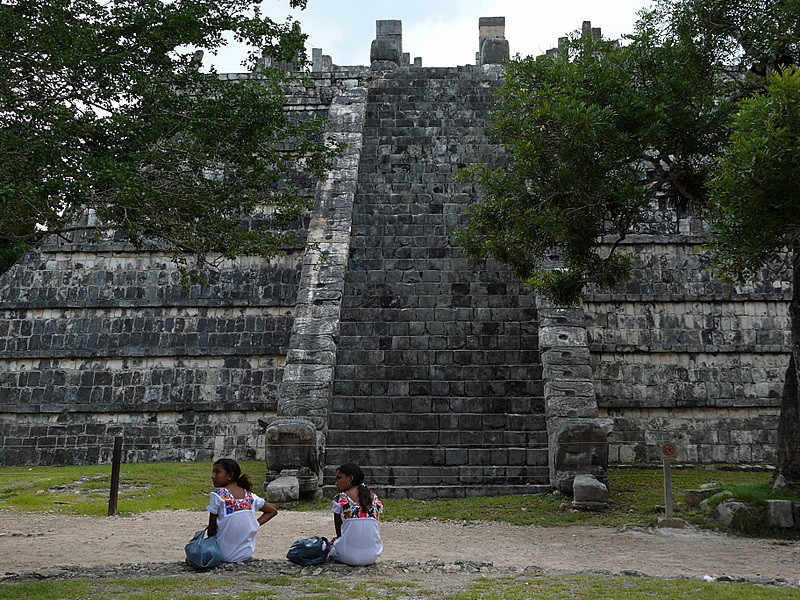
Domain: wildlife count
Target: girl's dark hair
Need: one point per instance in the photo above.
(235, 471)
(354, 471)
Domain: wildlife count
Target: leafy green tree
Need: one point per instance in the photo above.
(577, 129)
(103, 107)
(755, 212)
(593, 131)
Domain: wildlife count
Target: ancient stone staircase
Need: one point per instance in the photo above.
(438, 388)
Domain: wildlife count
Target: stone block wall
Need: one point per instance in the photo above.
(437, 388)
(105, 341)
(680, 356)
(98, 340)
(401, 353)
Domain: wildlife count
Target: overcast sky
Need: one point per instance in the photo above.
(444, 33)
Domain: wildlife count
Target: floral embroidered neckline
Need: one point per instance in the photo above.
(234, 504)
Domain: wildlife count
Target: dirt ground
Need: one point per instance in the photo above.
(35, 542)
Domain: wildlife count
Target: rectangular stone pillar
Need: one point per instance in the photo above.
(489, 27)
(387, 47)
(492, 44)
(316, 60)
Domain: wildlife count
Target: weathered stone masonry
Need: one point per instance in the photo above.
(437, 385)
(99, 340)
(296, 437)
(679, 356)
(178, 374)
(419, 364)
(379, 342)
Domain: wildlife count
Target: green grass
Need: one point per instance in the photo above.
(274, 580)
(593, 587)
(394, 587)
(143, 487)
(757, 492)
(46, 590)
(635, 495)
(157, 588)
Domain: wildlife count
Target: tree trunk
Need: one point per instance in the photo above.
(789, 426)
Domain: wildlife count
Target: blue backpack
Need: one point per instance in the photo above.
(310, 551)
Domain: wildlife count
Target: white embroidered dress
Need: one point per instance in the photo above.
(236, 523)
(360, 543)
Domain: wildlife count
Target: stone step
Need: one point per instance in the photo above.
(428, 492)
(514, 460)
(480, 362)
(398, 102)
(445, 363)
(478, 403)
(469, 389)
(359, 438)
(444, 474)
(449, 348)
(449, 482)
(433, 421)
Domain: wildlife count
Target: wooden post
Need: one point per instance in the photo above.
(668, 488)
(667, 454)
(115, 464)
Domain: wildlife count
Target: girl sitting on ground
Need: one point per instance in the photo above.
(232, 511)
(356, 512)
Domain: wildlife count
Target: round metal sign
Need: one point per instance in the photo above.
(668, 450)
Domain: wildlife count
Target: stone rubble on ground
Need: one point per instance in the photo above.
(331, 569)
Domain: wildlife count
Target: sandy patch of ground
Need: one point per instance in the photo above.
(33, 541)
